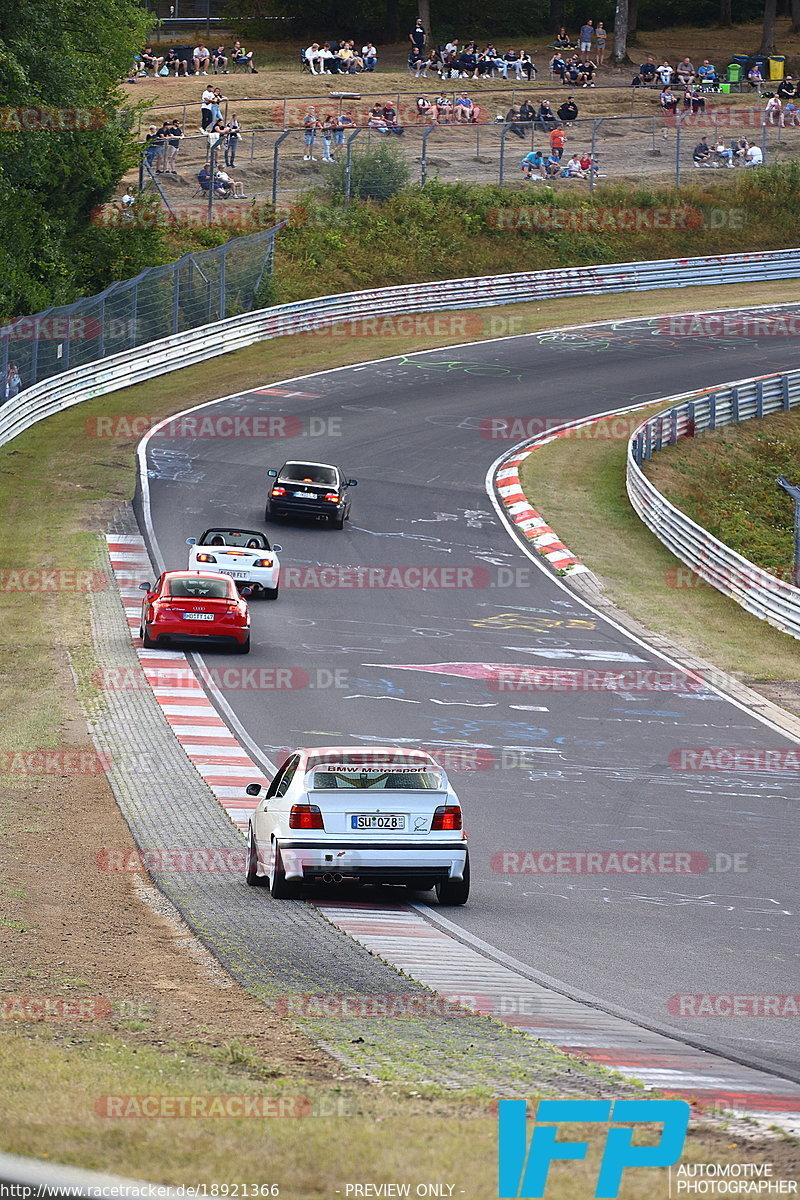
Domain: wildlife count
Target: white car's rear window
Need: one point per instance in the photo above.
(333, 778)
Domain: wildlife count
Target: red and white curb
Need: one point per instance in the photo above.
(207, 740)
(422, 946)
(530, 522)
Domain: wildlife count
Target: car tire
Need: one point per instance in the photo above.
(244, 648)
(268, 513)
(279, 889)
(147, 641)
(253, 880)
(454, 891)
(269, 593)
(337, 522)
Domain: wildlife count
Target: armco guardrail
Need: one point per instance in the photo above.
(762, 594)
(192, 346)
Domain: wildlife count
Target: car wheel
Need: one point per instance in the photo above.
(269, 593)
(454, 891)
(147, 642)
(244, 648)
(337, 522)
(252, 878)
(279, 889)
(268, 513)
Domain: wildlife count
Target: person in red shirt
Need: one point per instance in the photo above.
(558, 140)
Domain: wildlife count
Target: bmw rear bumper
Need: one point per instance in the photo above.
(373, 862)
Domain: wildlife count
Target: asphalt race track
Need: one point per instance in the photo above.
(578, 770)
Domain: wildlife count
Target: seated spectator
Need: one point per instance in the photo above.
(444, 109)
(558, 66)
(665, 73)
(693, 100)
(773, 113)
(568, 112)
(533, 165)
(753, 157)
(723, 152)
(786, 88)
(545, 117)
(219, 61)
(791, 113)
(223, 185)
(424, 110)
(313, 58)
(204, 177)
(240, 55)
(467, 62)
(684, 73)
(527, 65)
(513, 122)
(370, 56)
(668, 102)
(484, 68)
(572, 71)
(350, 62)
(514, 62)
(552, 167)
(175, 63)
(201, 59)
(417, 62)
(741, 147)
(375, 119)
(702, 153)
(647, 73)
(463, 107)
(562, 40)
(557, 141)
(587, 69)
(755, 78)
(573, 169)
(151, 61)
(707, 74)
(588, 164)
(389, 114)
(527, 114)
(435, 60)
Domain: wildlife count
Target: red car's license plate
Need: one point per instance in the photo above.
(198, 616)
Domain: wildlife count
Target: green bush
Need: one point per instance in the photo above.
(375, 174)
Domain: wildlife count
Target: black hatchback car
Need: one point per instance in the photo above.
(316, 490)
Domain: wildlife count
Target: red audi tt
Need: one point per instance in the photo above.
(195, 606)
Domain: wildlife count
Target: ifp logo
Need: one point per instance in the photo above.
(523, 1170)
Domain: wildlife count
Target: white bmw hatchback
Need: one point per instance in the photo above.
(348, 815)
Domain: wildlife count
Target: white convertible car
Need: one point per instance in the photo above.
(244, 554)
(345, 814)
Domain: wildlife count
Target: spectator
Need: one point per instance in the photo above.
(370, 56)
(463, 107)
(573, 169)
(773, 113)
(702, 153)
(162, 137)
(558, 66)
(389, 115)
(424, 109)
(344, 121)
(741, 147)
(668, 101)
(665, 73)
(527, 65)
(240, 55)
(175, 135)
(313, 55)
(216, 111)
(562, 40)
(513, 122)
(151, 61)
(647, 73)
(152, 145)
(707, 73)
(467, 61)
(601, 37)
(435, 60)
(527, 114)
(572, 72)
(514, 60)
(417, 62)
(204, 177)
(723, 152)
(375, 119)
(693, 100)
(418, 37)
(200, 58)
(327, 133)
(13, 381)
(219, 61)
(588, 164)
(585, 39)
(223, 185)
(310, 126)
(753, 157)
(568, 112)
(207, 108)
(684, 73)
(755, 78)
(586, 71)
(557, 141)
(533, 165)
(545, 117)
(173, 62)
(214, 133)
(791, 113)
(786, 88)
(552, 167)
(444, 109)
(232, 135)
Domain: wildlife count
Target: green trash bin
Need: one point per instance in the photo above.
(734, 73)
(776, 63)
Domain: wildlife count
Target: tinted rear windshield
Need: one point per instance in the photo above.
(235, 539)
(308, 473)
(200, 589)
(329, 779)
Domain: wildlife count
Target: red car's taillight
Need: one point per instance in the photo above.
(447, 816)
(305, 816)
(276, 491)
(263, 562)
(332, 497)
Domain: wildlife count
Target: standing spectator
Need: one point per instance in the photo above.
(219, 61)
(13, 381)
(344, 121)
(214, 133)
(216, 111)
(207, 108)
(240, 55)
(175, 133)
(310, 126)
(557, 141)
(585, 41)
(327, 132)
(233, 131)
(370, 56)
(152, 145)
(418, 36)
(162, 137)
(200, 58)
(601, 37)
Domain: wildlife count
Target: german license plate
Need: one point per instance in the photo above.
(306, 495)
(377, 821)
(233, 574)
(198, 616)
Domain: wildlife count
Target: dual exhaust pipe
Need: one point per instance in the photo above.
(332, 878)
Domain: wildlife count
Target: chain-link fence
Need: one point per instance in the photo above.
(193, 291)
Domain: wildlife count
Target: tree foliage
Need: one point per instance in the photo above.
(60, 63)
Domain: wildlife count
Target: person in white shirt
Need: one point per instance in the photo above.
(774, 111)
(574, 169)
(753, 157)
(207, 101)
(312, 56)
(665, 73)
(200, 58)
(370, 57)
